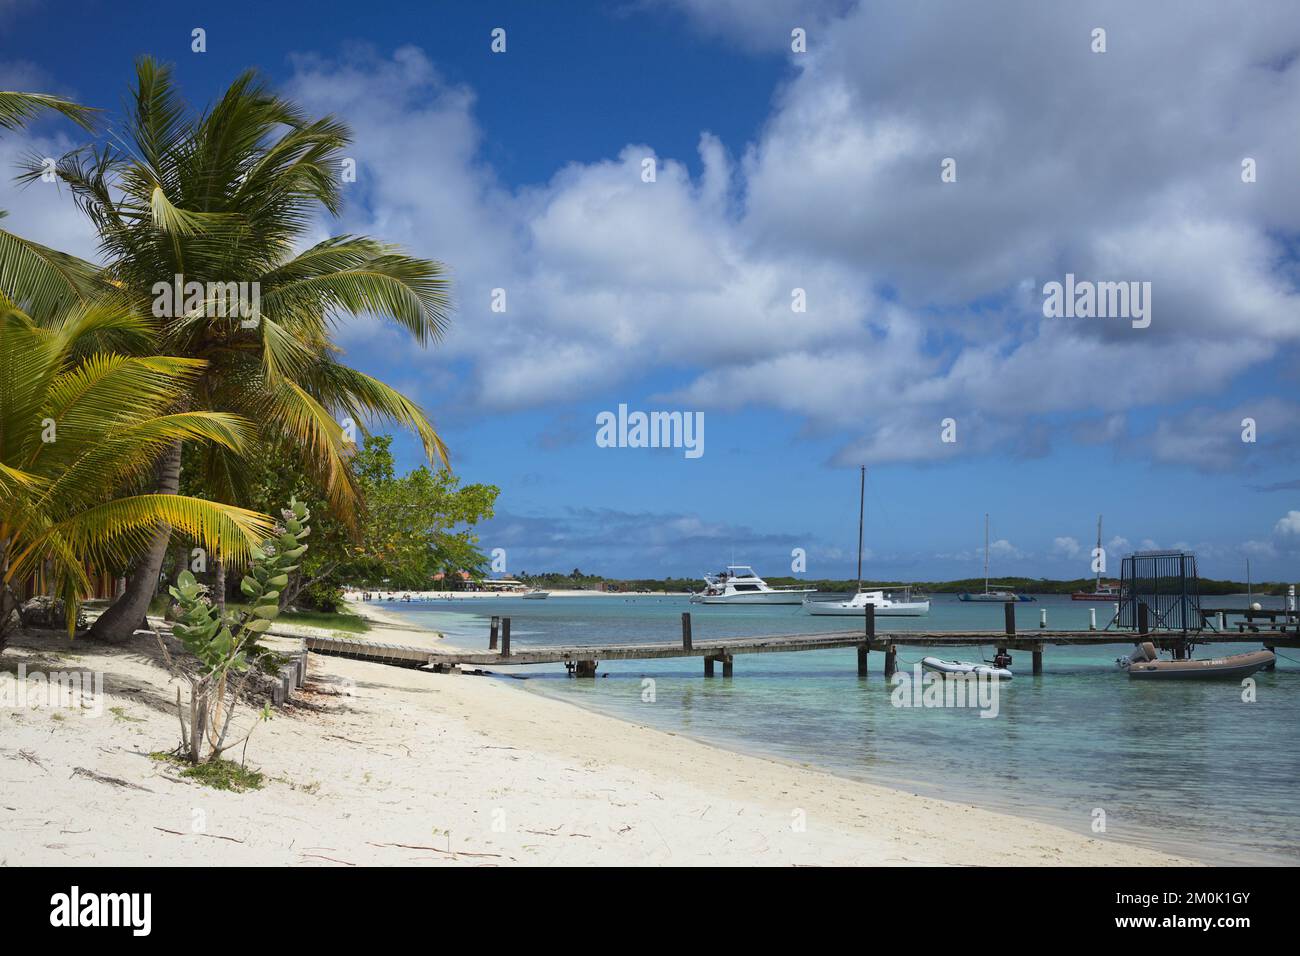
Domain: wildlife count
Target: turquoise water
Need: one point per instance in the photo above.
(1186, 767)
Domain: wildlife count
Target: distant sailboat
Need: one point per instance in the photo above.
(994, 595)
(1100, 592)
(897, 603)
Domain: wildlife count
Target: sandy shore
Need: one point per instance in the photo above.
(380, 765)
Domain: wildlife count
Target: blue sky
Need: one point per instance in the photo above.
(819, 171)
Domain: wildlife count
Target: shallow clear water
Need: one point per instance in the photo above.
(1184, 766)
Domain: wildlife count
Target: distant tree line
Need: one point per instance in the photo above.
(579, 581)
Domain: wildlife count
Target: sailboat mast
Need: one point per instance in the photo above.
(986, 552)
(1097, 554)
(862, 505)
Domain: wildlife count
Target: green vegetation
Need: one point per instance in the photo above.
(80, 434)
(120, 714)
(576, 580)
(334, 620)
(412, 527)
(226, 645)
(224, 199)
(217, 774)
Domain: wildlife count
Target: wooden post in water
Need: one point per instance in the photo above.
(891, 661)
(1009, 612)
(492, 634)
(505, 637)
(1038, 659)
(686, 632)
(869, 632)
(726, 665)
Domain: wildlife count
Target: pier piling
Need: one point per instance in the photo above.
(891, 661)
(505, 637)
(1038, 659)
(724, 659)
(869, 632)
(493, 632)
(1009, 613)
(686, 631)
(585, 669)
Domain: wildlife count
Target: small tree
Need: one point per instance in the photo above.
(225, 645)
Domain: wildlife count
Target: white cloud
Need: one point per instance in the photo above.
(1067, 547)
(1288, 525)
(1067, 162)
(923, 297)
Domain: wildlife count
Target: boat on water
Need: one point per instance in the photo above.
(1109, 591)
(738, 584)
(996, 596)
(964, 669)
(535, 595)
(1144, 664)
(895, 602)
(992, 595)
(891, 603)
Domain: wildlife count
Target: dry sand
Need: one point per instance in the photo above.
(380, 765)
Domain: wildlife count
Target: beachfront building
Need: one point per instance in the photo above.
(504, 585)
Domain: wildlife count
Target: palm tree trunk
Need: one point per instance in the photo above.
(128, 612)
(8, 599)
(219, 589)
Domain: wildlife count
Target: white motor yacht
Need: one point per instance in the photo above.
(738, 584)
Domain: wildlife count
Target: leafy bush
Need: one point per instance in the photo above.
(225, 645)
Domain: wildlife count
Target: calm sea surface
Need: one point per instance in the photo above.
(1184, 766)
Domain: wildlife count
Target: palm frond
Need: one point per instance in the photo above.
(17, 109)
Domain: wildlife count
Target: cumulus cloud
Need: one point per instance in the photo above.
(1288, 525)
(1066, 547)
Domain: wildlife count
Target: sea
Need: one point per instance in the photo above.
(1209, 770)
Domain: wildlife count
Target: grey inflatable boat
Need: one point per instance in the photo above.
(1144, 664)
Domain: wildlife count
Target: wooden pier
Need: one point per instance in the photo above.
(582, 660)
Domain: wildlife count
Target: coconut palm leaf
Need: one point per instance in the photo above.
(43, 281)
(17, 109)
(73, 432)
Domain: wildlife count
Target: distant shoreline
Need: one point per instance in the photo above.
(353, 595)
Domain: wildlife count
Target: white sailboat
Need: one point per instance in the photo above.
(738, 584)
(996, 594)
(889, 603)
(894, 603)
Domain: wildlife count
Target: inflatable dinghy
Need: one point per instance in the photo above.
(1143, 663)
(964, 669)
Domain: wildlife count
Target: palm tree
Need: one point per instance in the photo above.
(222, 198)
(78, 437)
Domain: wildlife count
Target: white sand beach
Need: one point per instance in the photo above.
(380, 765)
